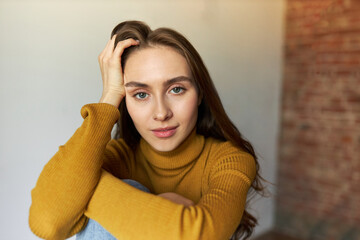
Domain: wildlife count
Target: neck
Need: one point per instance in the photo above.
(184, 154)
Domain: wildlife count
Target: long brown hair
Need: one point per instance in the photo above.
(212, 120)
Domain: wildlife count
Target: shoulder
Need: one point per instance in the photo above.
(226, 156)
(118, 157)
(119, 146)
(120, 149)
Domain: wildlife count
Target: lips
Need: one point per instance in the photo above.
(164, 132)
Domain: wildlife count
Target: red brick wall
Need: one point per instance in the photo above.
(319, 164)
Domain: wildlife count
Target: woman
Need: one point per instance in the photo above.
(189, 166)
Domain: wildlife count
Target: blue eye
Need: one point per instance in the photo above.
(141, 95)
(177, 90)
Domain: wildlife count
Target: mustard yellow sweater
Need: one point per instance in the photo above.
(82, 181)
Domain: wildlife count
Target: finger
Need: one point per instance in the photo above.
(108, 51)
(108, 45)
(120, 47)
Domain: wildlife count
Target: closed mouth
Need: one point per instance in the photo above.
(166, 132)
(164, 129)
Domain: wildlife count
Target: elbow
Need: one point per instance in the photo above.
(43, 226)
(197, 223)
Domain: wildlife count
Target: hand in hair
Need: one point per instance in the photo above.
(111, 72)
(176, 198)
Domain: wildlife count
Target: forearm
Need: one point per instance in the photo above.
(125, 212)
(68, 180)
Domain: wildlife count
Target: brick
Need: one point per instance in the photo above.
(319, 147)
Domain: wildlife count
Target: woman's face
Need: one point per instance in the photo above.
(161, 97)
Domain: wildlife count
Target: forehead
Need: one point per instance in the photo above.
(154, 64)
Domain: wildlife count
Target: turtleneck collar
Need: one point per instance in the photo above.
(188, 151)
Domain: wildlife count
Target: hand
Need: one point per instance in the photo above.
(176, 198)
(111, 72)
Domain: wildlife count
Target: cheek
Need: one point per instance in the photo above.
(134, 111)
(187, 110)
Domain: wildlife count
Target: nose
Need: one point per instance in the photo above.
(162, 111)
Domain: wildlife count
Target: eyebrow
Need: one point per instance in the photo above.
(167, 83)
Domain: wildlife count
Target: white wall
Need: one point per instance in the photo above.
(49, 70)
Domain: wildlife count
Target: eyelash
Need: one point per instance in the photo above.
(181, 90)
(136, 95)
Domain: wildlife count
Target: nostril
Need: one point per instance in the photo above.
(162, 113)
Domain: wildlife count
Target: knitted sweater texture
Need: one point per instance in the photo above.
(83, 180)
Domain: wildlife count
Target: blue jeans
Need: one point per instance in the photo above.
(94, 231)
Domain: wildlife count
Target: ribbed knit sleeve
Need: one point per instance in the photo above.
(68, 180)
(128, 213)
